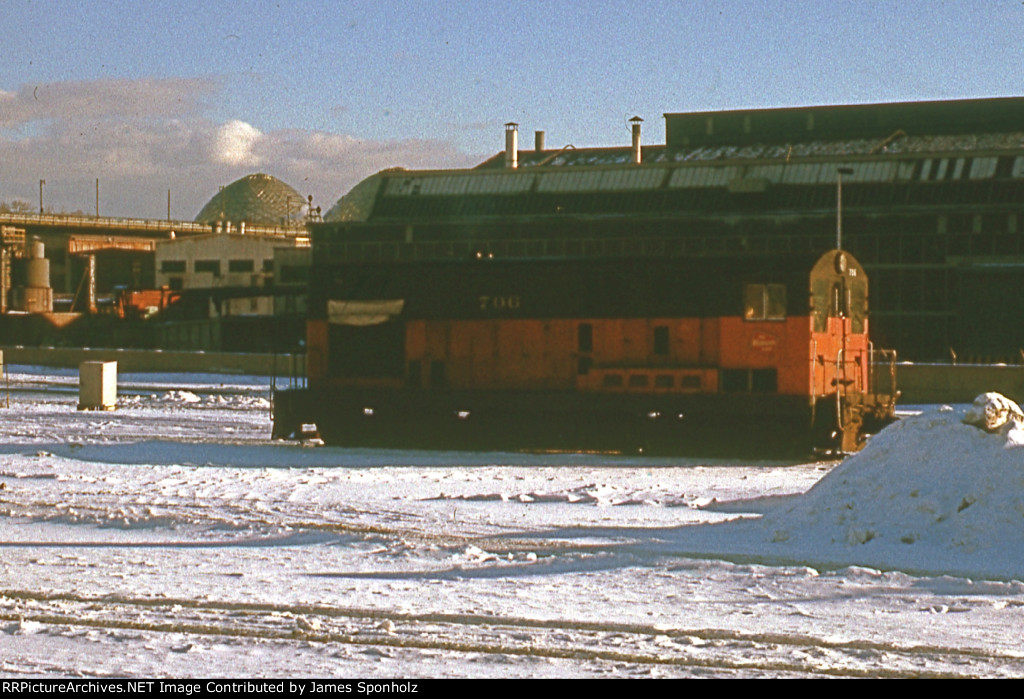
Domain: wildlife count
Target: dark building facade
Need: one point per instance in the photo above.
(932, 204)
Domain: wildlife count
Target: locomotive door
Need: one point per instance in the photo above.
(366, 339)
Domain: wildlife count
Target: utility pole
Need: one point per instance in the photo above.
(839, 204)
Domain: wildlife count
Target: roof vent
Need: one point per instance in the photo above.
(512, 145)
(636, 121)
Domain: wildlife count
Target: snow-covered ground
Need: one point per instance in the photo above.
(171, 537)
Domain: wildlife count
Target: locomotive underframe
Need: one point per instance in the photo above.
(757, 427)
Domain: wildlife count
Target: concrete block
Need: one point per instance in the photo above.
(97, 385)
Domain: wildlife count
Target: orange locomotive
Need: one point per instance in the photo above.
(743, 354)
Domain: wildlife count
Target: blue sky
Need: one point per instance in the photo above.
(186, 96)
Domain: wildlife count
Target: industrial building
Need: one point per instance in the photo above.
(932, 204)
(97, 270)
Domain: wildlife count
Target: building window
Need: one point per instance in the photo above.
(211, 266)
(764, 302)
(294, 274)
(241, 265)
(172, 266)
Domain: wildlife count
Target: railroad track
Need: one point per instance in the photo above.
(589, 644)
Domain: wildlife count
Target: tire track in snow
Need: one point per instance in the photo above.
(633, 644)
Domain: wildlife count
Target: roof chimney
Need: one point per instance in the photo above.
(512, 145)
(636, 121)
(538, 141)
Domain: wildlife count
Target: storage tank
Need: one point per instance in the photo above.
(31, 292)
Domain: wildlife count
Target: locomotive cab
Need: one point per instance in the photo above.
(843, 394)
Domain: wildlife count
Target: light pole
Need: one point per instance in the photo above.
(839, 204)
(41, 183)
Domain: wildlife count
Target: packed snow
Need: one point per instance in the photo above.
(172, 538)
(932, 494)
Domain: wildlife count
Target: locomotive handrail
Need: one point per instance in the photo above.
(814, 385)
(890, 356)
(871, 367)
(840, 367)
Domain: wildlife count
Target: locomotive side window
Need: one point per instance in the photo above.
(858, 299)
(661, 344)
(764, 302)
(414, 374)
(585, 338)
(840, 300)
(584, 345)
(437, 377)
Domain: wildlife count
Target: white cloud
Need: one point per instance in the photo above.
(105, 99)
(235, 142)
(143, 138)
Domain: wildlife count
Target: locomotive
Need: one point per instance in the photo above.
(746, 355)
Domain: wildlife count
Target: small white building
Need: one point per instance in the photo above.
(223, 260)
(218, 260)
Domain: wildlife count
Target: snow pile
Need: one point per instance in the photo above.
(598, 494)
(935, 492)
(993, 412)
(180, 397)
(186, 398)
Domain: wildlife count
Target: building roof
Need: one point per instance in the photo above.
(737, 152)
(257, 199)
(866, 121)
(358, 203)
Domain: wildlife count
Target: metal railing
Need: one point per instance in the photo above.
(138, 224)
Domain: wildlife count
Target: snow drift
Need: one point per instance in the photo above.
(939, 492)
